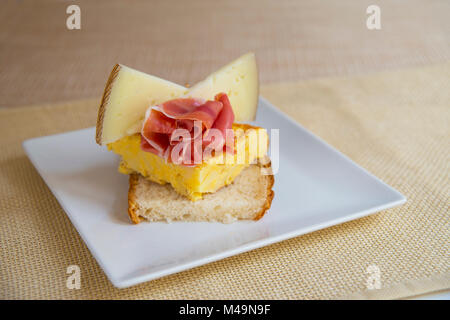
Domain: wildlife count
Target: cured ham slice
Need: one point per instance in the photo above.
(192, 109)
(223, 122)
(159, 123)
(180, 130)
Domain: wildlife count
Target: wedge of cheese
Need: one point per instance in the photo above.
(239, 80)
(128, 94)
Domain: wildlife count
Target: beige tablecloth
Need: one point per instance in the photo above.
(394, 124)
(41, 61)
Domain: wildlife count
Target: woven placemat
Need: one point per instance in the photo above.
(394, 124)
(184, 41)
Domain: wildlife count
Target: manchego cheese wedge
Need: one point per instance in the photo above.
(239, 80)
(128, 93)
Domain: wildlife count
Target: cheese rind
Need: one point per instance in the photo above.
(239, 80)
(128, 94)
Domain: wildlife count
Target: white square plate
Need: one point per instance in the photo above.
(315, 187)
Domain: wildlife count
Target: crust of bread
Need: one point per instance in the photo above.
(270, 195)
(132, 204)
(104, 103)
(134, 180)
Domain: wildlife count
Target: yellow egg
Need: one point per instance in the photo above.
(194, 181)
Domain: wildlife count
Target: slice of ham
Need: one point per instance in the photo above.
(155, 142)
(192, 109)
(171, 130)
(159, 123)
(226, 117)
(223, 122)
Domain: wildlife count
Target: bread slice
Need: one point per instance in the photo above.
(247, 198)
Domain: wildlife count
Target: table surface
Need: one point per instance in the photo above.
(42, 61)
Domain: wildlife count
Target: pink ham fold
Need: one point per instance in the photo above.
(204, 125)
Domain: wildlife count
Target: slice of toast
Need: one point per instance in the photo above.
(247, 198)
